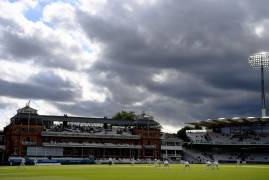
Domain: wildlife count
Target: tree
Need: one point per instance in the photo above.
(125, 115)
(182, 132)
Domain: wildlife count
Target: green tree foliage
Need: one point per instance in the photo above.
(125, 115)
(182, 132)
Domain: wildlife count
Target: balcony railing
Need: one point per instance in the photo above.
(171, 147)
(231, 142)
(89, 135)
(93, 145)
(149, 146)
(28, 143)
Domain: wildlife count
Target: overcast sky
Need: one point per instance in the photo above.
(178, 60)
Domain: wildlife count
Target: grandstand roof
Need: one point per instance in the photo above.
(99, 120)
(77, 119)
(236, 121)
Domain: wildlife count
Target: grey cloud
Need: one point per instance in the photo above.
(32, 91)
(16, 46)
(163, 109)
(5, 105)
(22, 47)
(208, 41)
(50, 79)
(90, 108)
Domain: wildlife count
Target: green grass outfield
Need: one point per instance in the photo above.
(136, 172)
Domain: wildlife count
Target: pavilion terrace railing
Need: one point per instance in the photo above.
(89, 135)
(92, 145)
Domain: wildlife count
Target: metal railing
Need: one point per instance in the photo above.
(89, 135)
(94, 145)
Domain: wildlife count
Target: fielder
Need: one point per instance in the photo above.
(187, 165)
(166, 163)
(208, 164)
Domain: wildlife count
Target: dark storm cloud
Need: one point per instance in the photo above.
(172, 34)
(124, 81)
(91, 108)
(38, 90)
(208, 41)
(50, 79)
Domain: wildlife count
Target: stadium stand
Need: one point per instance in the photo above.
(83, 140)
(228, 140)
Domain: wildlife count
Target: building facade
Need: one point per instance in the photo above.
(171, 147)
(2, 146)
(32, 135)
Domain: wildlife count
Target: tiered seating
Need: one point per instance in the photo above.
(223, 156)
(258, 157)
(195, 156)
(197, 137)
(218, 138)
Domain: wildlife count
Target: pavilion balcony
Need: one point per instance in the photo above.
(89, 135)
(92, 145)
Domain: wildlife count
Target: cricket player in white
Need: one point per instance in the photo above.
(187, 164)
(22, 162)
(155, 162)
(216, 164)
(10, 162)
(166, 163)
(238, 162)
(35, 161)
(110, 161)
(132, 161)
(208, 164)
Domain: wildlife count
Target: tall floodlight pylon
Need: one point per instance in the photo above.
(260, 60)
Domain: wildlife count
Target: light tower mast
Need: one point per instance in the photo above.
(260, 60)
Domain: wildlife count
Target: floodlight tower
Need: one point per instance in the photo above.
(260, 60)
